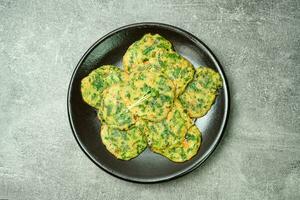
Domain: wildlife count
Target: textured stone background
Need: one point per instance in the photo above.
(258, 44)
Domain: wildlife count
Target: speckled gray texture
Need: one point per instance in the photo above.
(258, 45)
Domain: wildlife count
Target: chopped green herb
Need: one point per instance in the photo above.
(148, 50)
(189, 136)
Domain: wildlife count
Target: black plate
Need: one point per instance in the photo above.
(147, 167)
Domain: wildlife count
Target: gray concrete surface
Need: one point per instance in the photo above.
(258, 44)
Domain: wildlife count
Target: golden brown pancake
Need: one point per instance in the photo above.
(124, 145)
(113, 110)
(149, 95)
(201, 93)
(98, 80)
(169, 132)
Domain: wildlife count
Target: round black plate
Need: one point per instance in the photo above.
(147, 167)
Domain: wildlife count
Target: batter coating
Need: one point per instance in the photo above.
(139, 53)
(176, 68)
(155, 52)
(124, 145)
(171, 131)
(98, 80)
(113, 110)
(201, 93)
(188, 148)
(149, 95)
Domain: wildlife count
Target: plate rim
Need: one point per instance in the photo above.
(221, 131)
